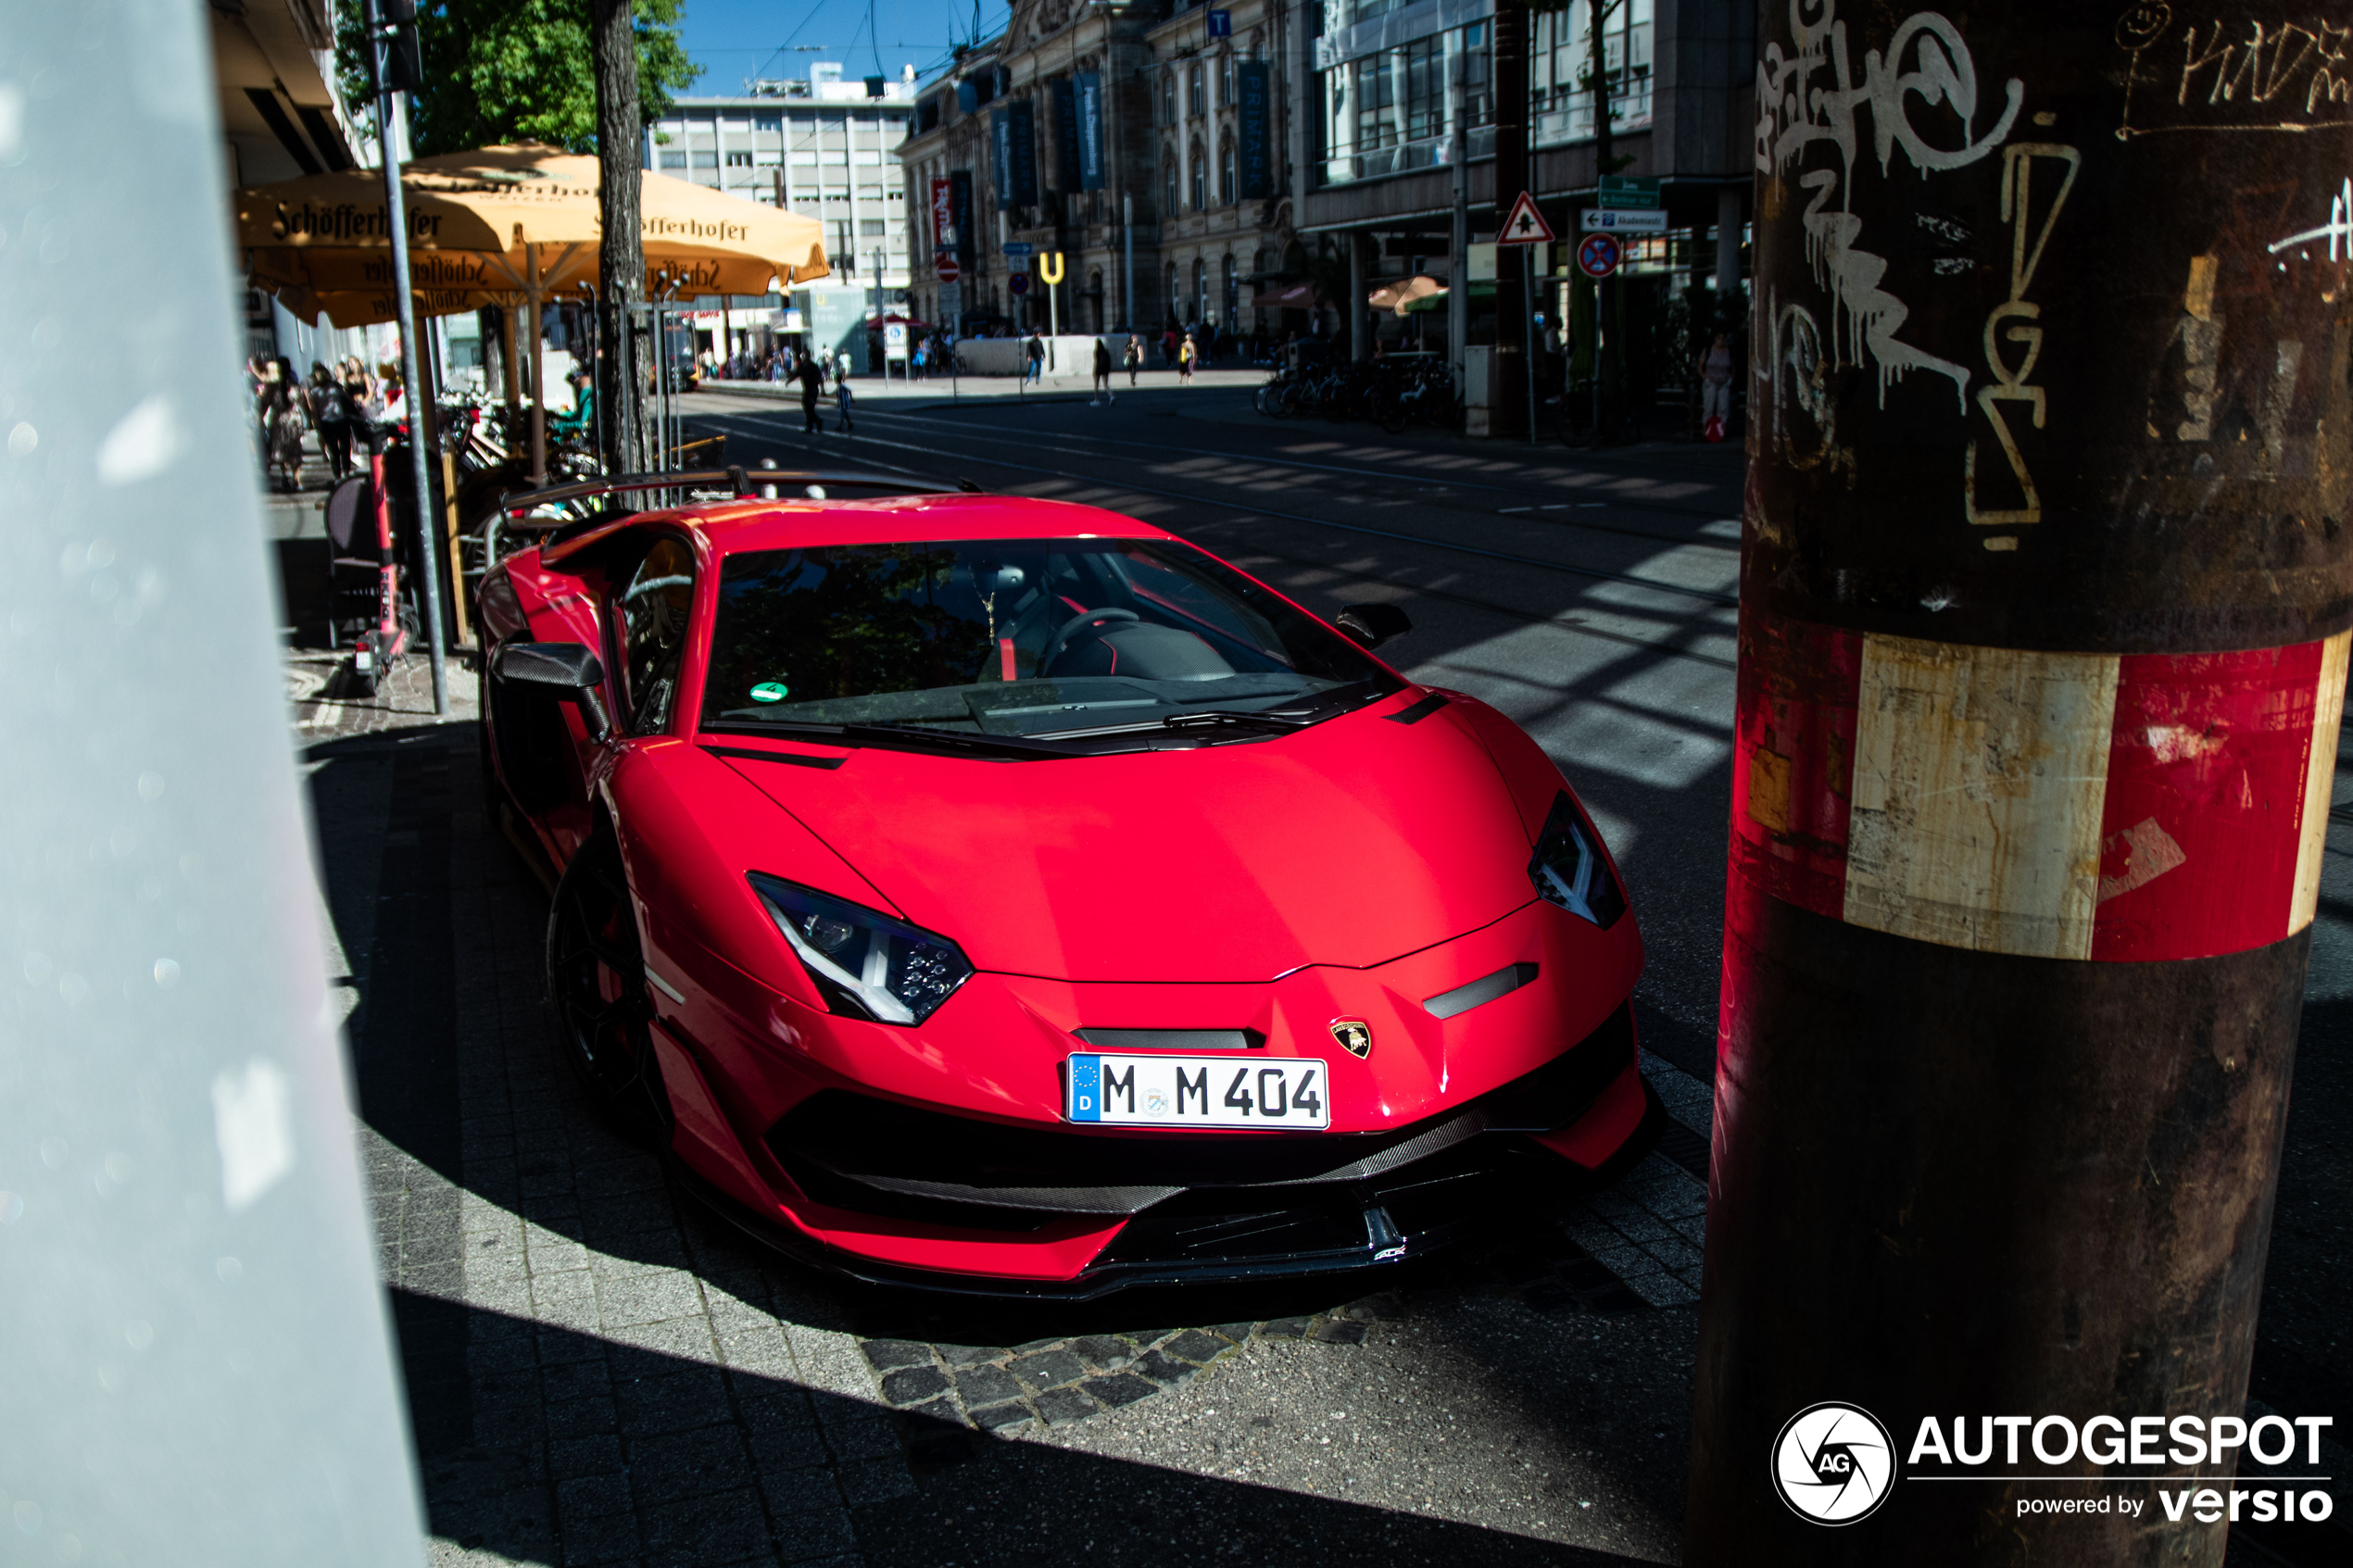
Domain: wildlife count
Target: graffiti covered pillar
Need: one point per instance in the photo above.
(2044, 596)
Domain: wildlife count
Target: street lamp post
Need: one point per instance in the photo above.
(397, 219)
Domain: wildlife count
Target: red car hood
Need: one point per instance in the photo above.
(1350, 844)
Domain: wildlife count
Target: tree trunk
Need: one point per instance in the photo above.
(621, 267)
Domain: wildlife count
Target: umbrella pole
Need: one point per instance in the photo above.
(538, 378)
(514, 368)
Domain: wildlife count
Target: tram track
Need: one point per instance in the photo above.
(1597, 574)
(1538, 497)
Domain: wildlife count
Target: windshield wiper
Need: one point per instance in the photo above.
(1293, 718)
(907, 737)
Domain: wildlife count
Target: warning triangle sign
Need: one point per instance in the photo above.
(1526, 226)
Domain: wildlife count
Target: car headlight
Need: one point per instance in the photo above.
(865, 962)
(1570, 869)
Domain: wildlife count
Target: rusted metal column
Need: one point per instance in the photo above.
(2046, 584)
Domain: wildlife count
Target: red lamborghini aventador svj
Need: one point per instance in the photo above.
(1005, 895)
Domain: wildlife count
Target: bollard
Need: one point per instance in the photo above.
(2045, 591)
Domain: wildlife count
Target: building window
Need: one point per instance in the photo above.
(739, 160)
(1196, 101)
(1168, 187)
(673, 160)
(1200, 290)
(1175, 301)
(872, 225)
(1233, 291)
(768, 122)
(1226, 80)
(706, 160)
(1226, 187)
(1095, 294)
(1561, 58)
(1200, 166)
(1168, 97)
(1387, 112)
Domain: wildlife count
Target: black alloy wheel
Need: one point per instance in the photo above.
(598, 993)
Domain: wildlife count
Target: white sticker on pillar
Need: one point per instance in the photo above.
(1980, 778)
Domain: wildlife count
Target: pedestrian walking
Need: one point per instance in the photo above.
(841, 366)
(813, 382)
(288, 415)
(1168, 345)
(1716, 388)
(1033, 359)
(332, 419)
(1186, 354)
(842, 403)
(1102, 371)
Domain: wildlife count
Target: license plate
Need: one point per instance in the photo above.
(1198, 1091)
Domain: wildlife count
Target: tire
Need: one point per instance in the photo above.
(1394, 414)
(597, 997)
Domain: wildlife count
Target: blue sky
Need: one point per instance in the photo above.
(735, 39)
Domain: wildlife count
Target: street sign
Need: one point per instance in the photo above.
(1221, 24)
(1618, 190)
(1020, 247)
(1618, 221)
(893, 340)
(1018, 282)
(1524, 225)
(948, 269)
(1597, 257)
(951, 303)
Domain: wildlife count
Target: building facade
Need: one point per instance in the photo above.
(1387, 85)
(823, 146)
(1224, 122)
(1143, 142)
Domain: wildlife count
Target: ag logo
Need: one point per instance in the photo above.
(1834, 1463)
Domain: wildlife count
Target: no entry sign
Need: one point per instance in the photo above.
(948, 269)
(1597, 254)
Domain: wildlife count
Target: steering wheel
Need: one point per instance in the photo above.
(1076, 624)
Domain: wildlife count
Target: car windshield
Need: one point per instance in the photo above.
(1061, 638)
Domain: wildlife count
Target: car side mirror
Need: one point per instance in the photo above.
(569, 668)
(1371, 625)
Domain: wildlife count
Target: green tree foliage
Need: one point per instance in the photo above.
(516, 70)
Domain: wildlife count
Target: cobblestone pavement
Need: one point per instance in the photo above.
(601, 1372)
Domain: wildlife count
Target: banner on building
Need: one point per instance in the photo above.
(960, 213)
(1021, 117)
(943, 217)
(1066, 135)
(1089, 93)
(1000, 157)
(1256, 115)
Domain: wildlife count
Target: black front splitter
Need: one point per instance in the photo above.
(1109, 1279)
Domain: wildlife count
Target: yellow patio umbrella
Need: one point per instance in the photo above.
(1401, 298)
(502, 226)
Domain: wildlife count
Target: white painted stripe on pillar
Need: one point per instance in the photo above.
(1980, 778)
(2320, 780)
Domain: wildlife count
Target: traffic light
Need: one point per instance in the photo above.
(404, 61)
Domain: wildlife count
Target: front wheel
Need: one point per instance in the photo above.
(597, 992)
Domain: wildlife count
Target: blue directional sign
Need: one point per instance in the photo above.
(1221, 24)
(1020, 247)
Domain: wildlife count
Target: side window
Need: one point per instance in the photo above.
(652, 625)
